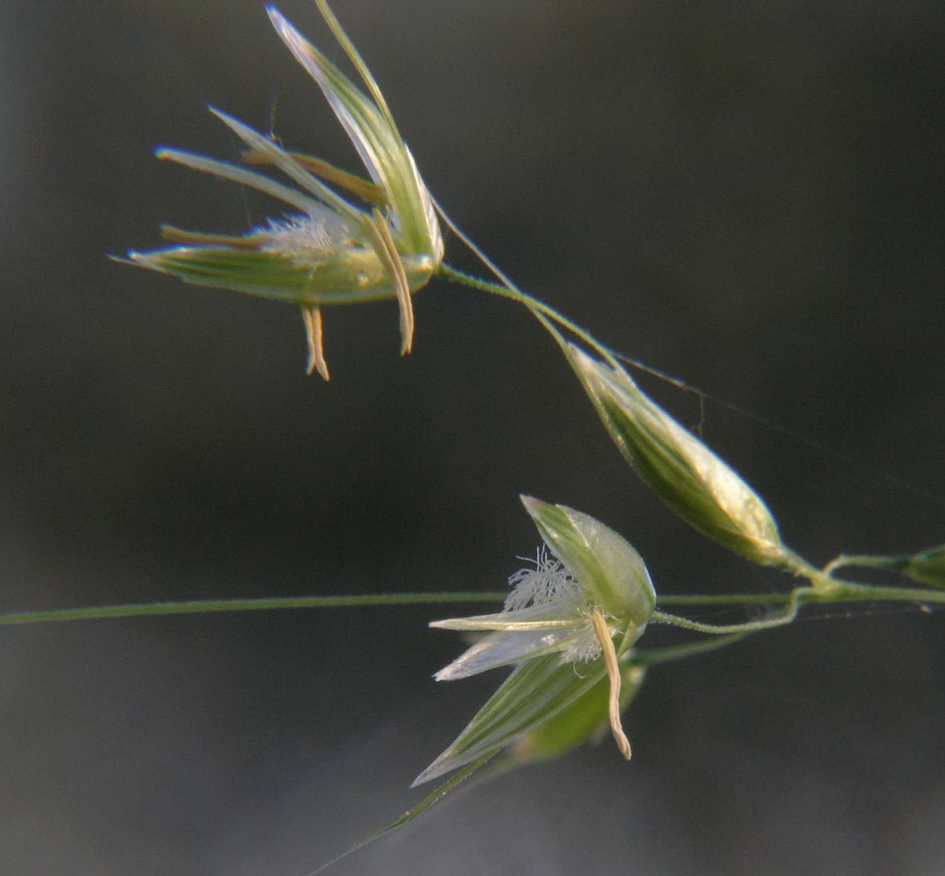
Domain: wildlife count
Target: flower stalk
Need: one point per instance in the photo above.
(926, 566)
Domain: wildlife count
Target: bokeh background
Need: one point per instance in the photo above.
(747, 195)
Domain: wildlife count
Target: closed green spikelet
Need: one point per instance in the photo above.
(927, 567)
(687, 476)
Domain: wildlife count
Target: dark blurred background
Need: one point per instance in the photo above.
(747, 195)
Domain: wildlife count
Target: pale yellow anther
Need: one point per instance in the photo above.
(357, 185)
(386, 249)
(314, 332)
(603, 634)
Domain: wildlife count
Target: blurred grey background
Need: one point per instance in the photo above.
(747, 195)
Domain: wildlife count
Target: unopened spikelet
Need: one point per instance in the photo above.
(329, 250)
(927, 567)
(565, 625)
(687, 476)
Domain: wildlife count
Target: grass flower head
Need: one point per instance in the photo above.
(586, 588)
(328, 250)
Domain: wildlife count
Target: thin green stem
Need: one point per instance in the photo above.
(781, 619)
(535, 305)
(839, 593)
(867, 561)
(725, 599)
(278, 603)
(869, 593)
(652, 656)
(217, 606)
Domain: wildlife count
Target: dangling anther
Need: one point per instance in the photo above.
(387, 251)
(312, 317)
(613, 672)
(366, 190)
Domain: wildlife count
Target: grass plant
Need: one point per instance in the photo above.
(572, 626)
